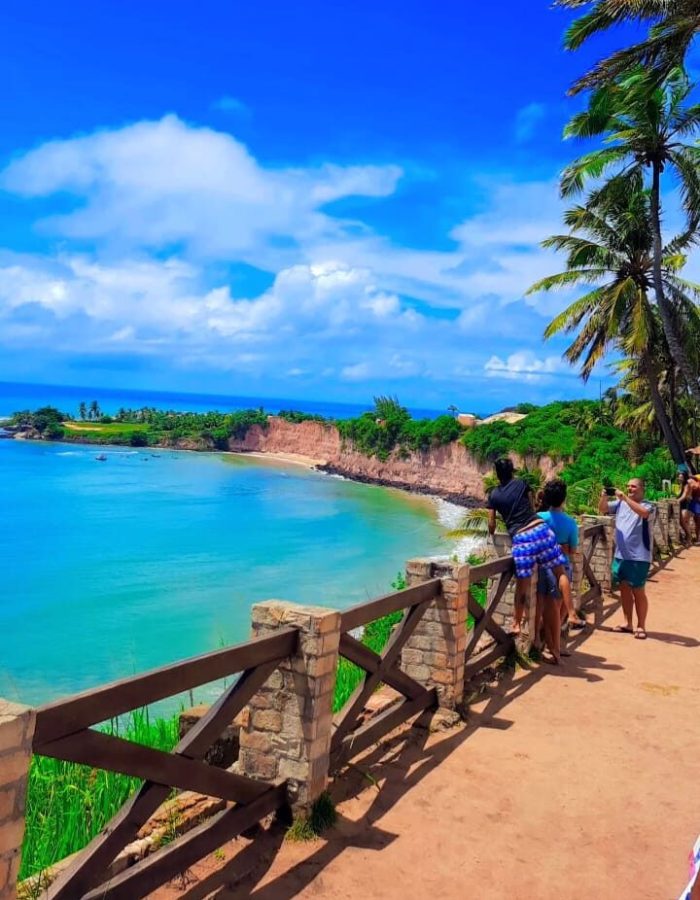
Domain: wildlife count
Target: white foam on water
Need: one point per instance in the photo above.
(451, 516)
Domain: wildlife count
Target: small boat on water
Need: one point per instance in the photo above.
(101, 457)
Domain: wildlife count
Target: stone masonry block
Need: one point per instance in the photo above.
(266, 720)
(7, 802)
(14, 766)
(11, 834)
(421, 567)
(258, 765)
(293, 722)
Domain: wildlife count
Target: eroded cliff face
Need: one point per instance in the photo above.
(449, 471)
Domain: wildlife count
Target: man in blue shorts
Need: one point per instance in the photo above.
(630, 567)
(534, 542)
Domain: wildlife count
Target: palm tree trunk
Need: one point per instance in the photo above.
(652, 378)
(665, 310)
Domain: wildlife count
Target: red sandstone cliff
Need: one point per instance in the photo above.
(449, 471)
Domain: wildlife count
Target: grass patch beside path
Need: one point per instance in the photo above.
(68, 804)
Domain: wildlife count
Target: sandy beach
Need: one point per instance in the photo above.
(298, 459)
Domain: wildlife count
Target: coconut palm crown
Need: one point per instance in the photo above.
(674, 25)
(645, 127)
(609, 250)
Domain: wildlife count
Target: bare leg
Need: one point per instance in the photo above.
(642, 605)
(685, 525)
(627, 598)
(539, 622)
(552, 628)
(522, 587)
(565, 591)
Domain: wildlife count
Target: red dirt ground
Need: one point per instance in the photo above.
(581, 782)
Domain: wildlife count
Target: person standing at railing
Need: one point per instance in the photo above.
(630, 566)
(553, 603)
(687, 485)
(534, 543)
(694, 505)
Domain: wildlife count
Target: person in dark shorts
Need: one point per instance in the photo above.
(534, 543)
(554, 604)
(633, 540)
(685, 498)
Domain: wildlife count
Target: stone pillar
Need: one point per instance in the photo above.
(16, 733)
(602, 558)
(286, 730)
(500, 545)
(434, 654)
(674, 523)
(661, 536)
(576, 557)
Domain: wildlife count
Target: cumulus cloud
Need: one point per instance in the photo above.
(523, 365)
(153, 185)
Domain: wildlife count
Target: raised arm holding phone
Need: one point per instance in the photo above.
(630, 568)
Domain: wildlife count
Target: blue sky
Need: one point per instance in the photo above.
(281, 199)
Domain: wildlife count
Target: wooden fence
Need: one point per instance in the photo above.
(64, 729)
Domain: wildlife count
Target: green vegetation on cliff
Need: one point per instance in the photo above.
(582, 435)
(389, 427)
(145, 427)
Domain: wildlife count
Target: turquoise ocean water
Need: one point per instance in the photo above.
(110, 568)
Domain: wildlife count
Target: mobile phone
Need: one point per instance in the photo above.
(610, 491)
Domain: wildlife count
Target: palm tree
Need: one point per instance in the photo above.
(674, 24)
(645, 125)
(95, 410)
(609, 250)
(82, 410)
(453, 409)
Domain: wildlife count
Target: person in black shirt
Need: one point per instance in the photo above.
(534, 542)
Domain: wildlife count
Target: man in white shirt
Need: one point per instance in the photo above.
(630, 568)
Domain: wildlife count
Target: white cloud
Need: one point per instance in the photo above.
(524, 365)
(153, 185)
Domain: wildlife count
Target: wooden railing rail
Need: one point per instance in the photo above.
(350, 734)
(364, 613)
(70, 714)
(62, 732)
(500, 572)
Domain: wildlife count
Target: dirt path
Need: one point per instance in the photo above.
(578, 783)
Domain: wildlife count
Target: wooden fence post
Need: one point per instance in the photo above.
(601, 561)
(434, 654)
(16, 733)
(286, 729)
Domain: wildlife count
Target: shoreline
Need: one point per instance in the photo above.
(309, 463)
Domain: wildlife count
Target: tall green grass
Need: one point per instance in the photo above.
(68, 804)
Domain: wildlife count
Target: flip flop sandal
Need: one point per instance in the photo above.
(623, 629)
(640, 634)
